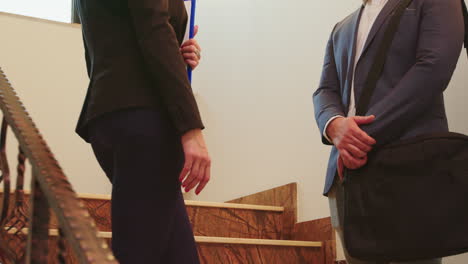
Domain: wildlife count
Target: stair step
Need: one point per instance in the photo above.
(212, 240)
(188, 203)
(243, 254)
(231, 250)
(192, 203)
(278, 209)
(209, 218)
(259, 242)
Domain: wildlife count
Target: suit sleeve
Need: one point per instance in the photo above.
(440, 42)
(160, 49)
(327, 98)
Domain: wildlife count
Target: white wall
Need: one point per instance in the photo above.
(261, 63)
(57, 10)
(44, 62)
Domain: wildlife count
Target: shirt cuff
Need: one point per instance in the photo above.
(326, 126)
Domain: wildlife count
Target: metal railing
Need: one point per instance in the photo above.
(24, 225)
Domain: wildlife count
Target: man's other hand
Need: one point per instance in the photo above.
(351, 141)
(197, 167)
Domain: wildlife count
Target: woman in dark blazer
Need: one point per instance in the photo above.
(143, 123)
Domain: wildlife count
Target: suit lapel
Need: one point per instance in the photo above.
(381, 18)
(352, 54)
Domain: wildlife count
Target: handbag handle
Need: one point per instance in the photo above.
(378, 65)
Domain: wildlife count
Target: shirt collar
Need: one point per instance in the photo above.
(374, 2)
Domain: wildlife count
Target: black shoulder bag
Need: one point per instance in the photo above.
(410, 202)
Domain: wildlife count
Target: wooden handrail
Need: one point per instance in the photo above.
(50, 190)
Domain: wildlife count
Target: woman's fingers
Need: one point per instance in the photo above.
(190, 56)
(186, 169)
(195, 43)
(197, 180)
(191, 42)
(204, 180)
(192, 63)
(195, 150)
(193, 174)
(189, 49)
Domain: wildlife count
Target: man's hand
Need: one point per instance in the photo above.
(352, 142)
(191, 51)
(197, 168)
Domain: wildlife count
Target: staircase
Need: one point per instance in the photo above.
(53, 224)
(24, 223)
(260, 228)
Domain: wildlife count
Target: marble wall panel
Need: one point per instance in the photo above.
(315, 230)
(329, 251)
(318, 230)
(239, 223)
(100, 211)
(285, 196)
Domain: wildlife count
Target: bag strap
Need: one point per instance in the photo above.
(465, 17)
(379, 62)
(378, 65)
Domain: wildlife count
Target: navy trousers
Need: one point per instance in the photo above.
(141, 154)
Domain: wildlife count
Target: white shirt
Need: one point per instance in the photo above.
(370, 13)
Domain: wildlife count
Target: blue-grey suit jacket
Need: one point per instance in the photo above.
(408, 99)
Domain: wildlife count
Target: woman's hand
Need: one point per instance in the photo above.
(191, 51)
(197, 167)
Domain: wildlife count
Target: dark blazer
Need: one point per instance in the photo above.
(408, 99)
(133, 60)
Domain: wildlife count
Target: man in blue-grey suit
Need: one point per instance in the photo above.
(408, 99)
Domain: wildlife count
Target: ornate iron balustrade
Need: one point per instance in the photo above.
(24, 225)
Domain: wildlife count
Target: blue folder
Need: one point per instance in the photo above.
(191, 30)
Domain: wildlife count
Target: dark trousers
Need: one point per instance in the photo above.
(141, 154)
